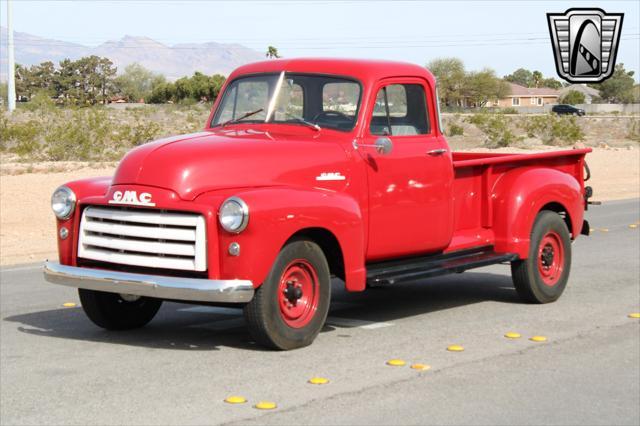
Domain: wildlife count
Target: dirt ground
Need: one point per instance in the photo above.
(27, 226)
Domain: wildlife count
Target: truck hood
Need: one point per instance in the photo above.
(193, 164)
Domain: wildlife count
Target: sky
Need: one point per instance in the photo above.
(503, 35)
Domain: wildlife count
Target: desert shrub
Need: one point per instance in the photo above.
(553, 129)
(509, 110)
(41, 101)
(452, 126)
(455, 129)
(496, 129)
(19, 137)
(633, 130)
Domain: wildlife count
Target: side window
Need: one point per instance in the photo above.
(401, 110)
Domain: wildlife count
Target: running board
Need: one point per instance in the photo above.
(416, 268)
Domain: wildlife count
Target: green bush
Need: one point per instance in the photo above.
(454, 129)
(496, 129)
(509, 110)
(19, 138)
(553, 129)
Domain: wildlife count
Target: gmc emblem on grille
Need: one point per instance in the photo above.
(132, 198)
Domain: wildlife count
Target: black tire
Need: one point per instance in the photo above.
(527, 277)
(111, 311)
(263, 314)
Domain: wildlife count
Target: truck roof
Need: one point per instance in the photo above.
(364, 70)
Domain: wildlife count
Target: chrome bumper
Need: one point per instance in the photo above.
(174, 288)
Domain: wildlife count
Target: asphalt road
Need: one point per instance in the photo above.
(57, 368)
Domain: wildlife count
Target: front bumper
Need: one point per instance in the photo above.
(172, 288)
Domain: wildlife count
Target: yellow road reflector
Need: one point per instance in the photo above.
(455, 348)
(634, 315)
(633, 225)
(318, 381)
(512, 335)
(265, 405)
(421, 367)
(396, 362)
(235, 399)
(538, 339)
(69, 305)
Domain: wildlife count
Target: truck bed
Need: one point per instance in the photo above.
(476, 175)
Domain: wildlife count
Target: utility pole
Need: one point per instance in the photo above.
(11, 86)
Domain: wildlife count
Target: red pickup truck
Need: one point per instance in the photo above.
(308, 169)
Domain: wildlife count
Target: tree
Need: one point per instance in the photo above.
(272, 52)
(450, 76)
(551, 83)
(136, 82)
(483, 86)
(520, 76)
(618, 88)
(572, 97)
(87, 81)
(536, 78)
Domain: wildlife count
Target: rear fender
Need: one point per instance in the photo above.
(521, 194)
(276, 214)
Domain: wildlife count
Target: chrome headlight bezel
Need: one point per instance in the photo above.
(67, 201)
(237, 207)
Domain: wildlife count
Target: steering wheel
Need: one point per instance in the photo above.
(329, 114)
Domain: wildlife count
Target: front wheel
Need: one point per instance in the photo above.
(543, 276)
(289, 309)
(118, 312)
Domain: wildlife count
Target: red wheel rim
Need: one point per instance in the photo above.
(298, 293)
(551, 258)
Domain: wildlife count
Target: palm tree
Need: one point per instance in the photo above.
(272, 52)
(537, 78)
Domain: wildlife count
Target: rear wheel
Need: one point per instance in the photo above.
(543, 276)
(118, 312)
(289, 309)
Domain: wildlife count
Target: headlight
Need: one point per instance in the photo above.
(234, 215)
(63, 202)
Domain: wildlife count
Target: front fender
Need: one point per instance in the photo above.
(275, 214)
(83, 188)
(519, 196)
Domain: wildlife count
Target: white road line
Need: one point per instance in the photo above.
(213, 310)
(356, 323)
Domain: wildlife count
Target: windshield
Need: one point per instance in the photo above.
(302, 99)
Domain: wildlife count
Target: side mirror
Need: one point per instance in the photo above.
(384, 146)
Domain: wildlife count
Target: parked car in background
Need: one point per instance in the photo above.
(567, 110)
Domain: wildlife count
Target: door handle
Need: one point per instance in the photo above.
(435, 152)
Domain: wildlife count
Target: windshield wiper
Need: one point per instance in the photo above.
(305, 122)
(242, 117)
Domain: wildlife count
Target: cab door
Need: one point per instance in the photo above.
(410, 186)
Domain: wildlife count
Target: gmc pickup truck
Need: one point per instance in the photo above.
(309, 169)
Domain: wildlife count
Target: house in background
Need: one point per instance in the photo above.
(527, 97)
(589, 92)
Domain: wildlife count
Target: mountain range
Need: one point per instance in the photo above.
(173, 61)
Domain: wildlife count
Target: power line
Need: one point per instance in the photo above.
(334, 45)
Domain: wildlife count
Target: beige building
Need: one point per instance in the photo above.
(527, 97)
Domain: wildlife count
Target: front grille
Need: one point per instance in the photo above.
(146, 238)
